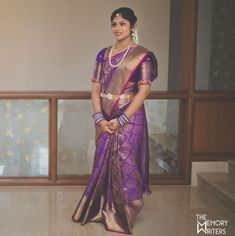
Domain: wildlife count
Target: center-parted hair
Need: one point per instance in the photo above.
(126, 13)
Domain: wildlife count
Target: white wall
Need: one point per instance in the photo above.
(52, 44)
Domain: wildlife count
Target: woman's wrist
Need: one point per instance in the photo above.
(123, 120)
(98, 117)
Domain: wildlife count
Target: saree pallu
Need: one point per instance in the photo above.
(120, 175)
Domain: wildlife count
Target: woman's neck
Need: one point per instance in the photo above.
(120, 45)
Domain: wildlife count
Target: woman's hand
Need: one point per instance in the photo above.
(113, 124)
(104, 124)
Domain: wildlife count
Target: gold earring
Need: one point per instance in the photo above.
(134, 35)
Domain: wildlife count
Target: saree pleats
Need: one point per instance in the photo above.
(114, 192)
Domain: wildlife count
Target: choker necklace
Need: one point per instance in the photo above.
(110, 56)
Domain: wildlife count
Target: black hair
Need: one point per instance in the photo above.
(126, 13)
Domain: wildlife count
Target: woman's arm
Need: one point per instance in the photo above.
(138, 100)
(148, 72)
(95, 96)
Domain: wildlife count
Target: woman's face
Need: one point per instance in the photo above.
(121, 28)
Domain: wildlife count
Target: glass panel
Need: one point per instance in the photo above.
(76, 133)
(24, 137)
(215, 67)
(163, 116)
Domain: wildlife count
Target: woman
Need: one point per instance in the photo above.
(122, 78)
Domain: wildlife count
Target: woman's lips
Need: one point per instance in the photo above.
(117, 34)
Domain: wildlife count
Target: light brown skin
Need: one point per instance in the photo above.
(121, 30)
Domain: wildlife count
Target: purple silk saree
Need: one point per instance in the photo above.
(120, 175)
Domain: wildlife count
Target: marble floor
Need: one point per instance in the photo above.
(168, 211)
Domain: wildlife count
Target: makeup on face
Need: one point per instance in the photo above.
(120, 27)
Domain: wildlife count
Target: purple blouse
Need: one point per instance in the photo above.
(146, 72)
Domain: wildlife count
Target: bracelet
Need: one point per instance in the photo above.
(123, 119)
(98, 117)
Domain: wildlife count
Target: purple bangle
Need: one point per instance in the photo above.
(97, 113)
(98, 117)
(98, 123)
(123, 120)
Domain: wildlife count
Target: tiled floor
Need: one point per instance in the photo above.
(47, 211)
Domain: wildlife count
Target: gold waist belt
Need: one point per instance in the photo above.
(111, 96)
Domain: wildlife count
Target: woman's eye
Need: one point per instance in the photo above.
(113, 24)
(122, 24)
